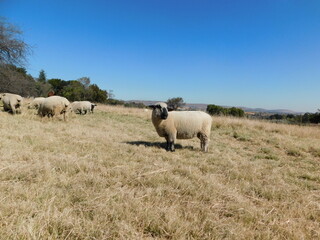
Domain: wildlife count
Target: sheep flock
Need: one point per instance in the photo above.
(169, 124)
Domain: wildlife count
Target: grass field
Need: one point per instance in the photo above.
(108, 176)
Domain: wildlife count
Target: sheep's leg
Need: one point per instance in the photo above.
(5, 108)
(170, 144)
(172, 140)
(206, 145)
(204, 142)
(200, 136)
(167, 146)
(201, 141)
(13, 109)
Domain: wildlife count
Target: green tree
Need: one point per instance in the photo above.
(42, 76)
(175, 103)
(236, 112)
(218, 110)
(58, 85)
(74, 91)
(215, 110)
(95, 94)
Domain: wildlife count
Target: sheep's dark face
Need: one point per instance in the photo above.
(164, 113)
(160, 110)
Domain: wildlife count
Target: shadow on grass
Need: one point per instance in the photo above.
(157, 144)
(9, 112)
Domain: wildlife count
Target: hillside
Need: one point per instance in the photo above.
(203, 107)
(107, 176)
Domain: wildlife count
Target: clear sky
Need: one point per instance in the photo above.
(248, 53)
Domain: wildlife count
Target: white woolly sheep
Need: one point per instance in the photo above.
(82, 107)
(54, 106)
(35, 103)
(181, 125)
(11, 102)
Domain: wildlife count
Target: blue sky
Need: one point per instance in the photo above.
(228, 52)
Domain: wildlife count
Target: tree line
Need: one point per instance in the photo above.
(306, 118)
(16, 80)
(218, 110)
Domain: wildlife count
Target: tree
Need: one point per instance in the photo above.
(95, 94)
(175, 103)
(16, 80)
(215, 110)
(57, 85)
(85, 81)
(111, 94)
(13, 50)
(236, 112)
(42, 76)
(218, 110)
(43, 89)
(74, 91)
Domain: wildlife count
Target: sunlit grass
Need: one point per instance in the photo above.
(107, 175)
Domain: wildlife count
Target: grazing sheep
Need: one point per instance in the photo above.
(82, 107)
(54, 106)
(11, 102)
(35, 103)
(181, 125)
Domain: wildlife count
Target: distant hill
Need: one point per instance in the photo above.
(202, 106)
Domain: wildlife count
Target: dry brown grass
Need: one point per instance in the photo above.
(107, 176)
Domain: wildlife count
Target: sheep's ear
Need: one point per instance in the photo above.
(152, 106)
(170, 109)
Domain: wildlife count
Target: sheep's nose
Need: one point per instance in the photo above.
(164, 116)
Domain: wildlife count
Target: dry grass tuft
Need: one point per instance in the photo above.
(107, 176)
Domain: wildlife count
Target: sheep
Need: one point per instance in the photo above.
(181, 125)
(11, 102)
(82, 107)
(54, 106)
(35, 103)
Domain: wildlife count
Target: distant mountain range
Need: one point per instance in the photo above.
(202, 106)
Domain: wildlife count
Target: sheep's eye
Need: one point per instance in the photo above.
(158, 106)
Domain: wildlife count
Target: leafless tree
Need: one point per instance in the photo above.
(13, 50)
(13, 53)
(85, 81)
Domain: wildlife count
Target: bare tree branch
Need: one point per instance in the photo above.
(13, 50)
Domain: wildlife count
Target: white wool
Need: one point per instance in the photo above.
(11, 102)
